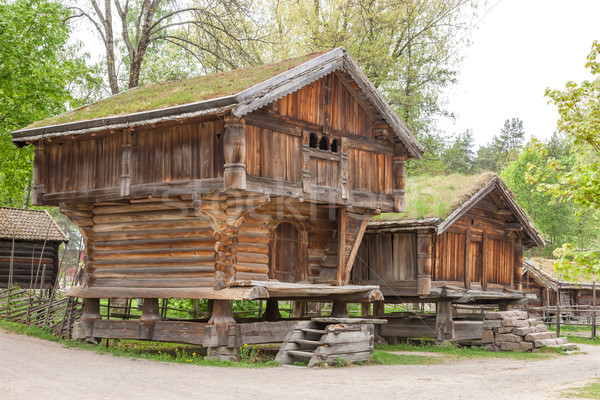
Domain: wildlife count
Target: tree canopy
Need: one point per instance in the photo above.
(579, 118)
(36, 69)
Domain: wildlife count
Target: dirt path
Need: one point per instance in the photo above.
(33, 369)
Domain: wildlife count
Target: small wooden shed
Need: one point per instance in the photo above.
(250, 184)
(29, 244)
(576, 299)
(461, 240)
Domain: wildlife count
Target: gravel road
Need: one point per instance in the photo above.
(35, 369)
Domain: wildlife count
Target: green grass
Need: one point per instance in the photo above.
(573, 333)
(589, 391)
(437, 196)
(156, 351)
(167, 94)
(385, 358)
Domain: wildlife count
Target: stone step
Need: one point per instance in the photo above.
(566, 347)
(532, 337)
(545, 342)
(562, 341)
(531, 329)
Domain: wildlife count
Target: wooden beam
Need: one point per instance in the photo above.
(484, 256)
(341, 245)
(39, 166)
(355, 246)
(234, 150)
(424, 261)
(468, 262)
(444, 326)
(232, 293)
(513, 227)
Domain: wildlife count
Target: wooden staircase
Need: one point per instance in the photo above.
(326, 342)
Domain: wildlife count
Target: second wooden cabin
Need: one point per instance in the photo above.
(460, 241)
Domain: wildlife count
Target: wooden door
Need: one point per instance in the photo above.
(285, 262)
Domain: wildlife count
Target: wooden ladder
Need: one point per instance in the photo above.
(326, 340)
(301, 343)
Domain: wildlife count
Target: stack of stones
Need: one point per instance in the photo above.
(514, 330)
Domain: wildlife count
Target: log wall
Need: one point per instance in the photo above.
(26, 258)
(172, 243)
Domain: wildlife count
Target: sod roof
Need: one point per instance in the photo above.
(432, 197)
(158, 96)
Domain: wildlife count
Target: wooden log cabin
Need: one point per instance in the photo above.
(575, 300)
(460, 241)
(29, 244)
(250, 184)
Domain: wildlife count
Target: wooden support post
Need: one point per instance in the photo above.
(518, 279)
(306, 162)
(150, 314)
(209, 308)
(484, 256)
(444, 326)
(558, 310)
(399, 177)
(39, 165)
(299, 309)
(341, 246)
(378, 309)
(344, 168)
(424, 260)
(339, 309)
(594, 307)
(91, 313)
(468, 262)
(365, 310)
(234, 150)
(272, 311)
(126, 164)
(222, 318)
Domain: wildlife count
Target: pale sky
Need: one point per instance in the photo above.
(520, 48)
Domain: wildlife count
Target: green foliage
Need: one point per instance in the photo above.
(503, 148)
(573, 264)
(579, 111)
(559, 222)
(409, 49)
(36, 69)
(459, 155)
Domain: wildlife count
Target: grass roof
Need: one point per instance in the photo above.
(157, 96)
(547, 266)
(437, 196)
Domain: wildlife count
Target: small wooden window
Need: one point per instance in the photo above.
(313, 141)
(324, 143)
(335, 145)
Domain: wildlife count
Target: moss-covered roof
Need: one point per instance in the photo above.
(437, 196)
(185, 91)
